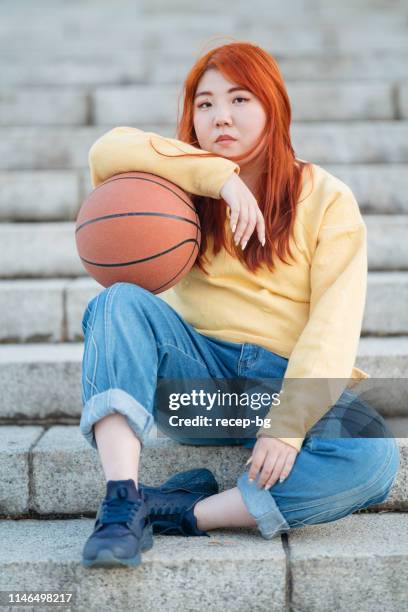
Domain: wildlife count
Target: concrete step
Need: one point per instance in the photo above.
(51, 106)
(378, 188)
(83, 18)
(299, 570)
(323, 142)
(58, 194)
(161, 32)
(362, 66)
(41, 383)
(181, 35)
(51, 310)
(59, 473)
(325, 101)
(121, 69)
(46, 250)
(41, 195)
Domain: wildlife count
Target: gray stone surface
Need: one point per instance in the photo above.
(139, 105)
(378, 188)
(383, 357)
(357, 562)
(355, 142)
(78, 293)
(177, 573)
(31, 310)
(47, 148)
(48, 106)
(359, 67)
(58, 195)
(399, 490)
(385, 310)
(403, 98)
(103, 69)
(338, 101)
(49, 249)
(386, 304)
(321, 142)
(75, 483)
(15, 472)
(144, 104)
(68, 476)
(347, 66)
(39, 250)
(66, 78)
(39, 196)
(387, 244)
(41, 381)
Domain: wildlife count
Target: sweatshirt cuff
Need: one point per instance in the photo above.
(294, 442)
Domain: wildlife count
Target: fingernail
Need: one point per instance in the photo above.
(263, 244)
(266, 488)
(244, 245)
(282, 478)
(234, 227)
(249, 461)
(251, 479)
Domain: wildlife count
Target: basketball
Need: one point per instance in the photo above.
(138, 228)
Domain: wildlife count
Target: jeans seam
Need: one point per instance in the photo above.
(349, 509)
(343, 496)
(254, 359)
(92, 382)
(107, 319)
(159, 346)
(240, 363)
(90, 326)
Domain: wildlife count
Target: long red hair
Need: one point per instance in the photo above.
(280, 183)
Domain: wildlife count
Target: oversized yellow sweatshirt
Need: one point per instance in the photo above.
(310, 313)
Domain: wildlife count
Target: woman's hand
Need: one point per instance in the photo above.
(276, 458)
(245, 212)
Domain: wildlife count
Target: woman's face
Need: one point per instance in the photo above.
(239, 114)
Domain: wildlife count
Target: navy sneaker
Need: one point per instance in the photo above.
(122, 529)
(171, 505)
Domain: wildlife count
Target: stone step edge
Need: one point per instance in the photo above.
(43, 452)
(47, 352)
(295, 570)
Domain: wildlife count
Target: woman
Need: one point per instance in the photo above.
(277, 291)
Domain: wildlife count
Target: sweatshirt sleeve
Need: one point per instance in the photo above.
(320, 365)
(127, 149)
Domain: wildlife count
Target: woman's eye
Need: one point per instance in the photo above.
(237, 98)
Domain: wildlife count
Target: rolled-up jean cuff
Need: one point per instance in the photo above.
(262, 507)
(109, 402)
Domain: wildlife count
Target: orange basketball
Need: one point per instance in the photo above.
(138, 228)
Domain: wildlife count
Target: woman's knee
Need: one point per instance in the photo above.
(114, 303)
(373, 466)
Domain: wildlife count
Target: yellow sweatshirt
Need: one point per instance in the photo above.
(309, 312)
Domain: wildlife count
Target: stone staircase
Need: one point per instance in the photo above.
(69, 71)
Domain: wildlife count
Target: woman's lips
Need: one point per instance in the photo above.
(226, 141)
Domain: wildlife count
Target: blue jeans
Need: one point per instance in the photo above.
(133, 337)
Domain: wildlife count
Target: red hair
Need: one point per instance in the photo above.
(281, 181)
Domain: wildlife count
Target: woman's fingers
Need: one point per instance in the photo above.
(250, 226)
(273, 476)
(234, 217)
(260, 226)
(249, 218)
(245, 213)
(257, 462)
(242, 223)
